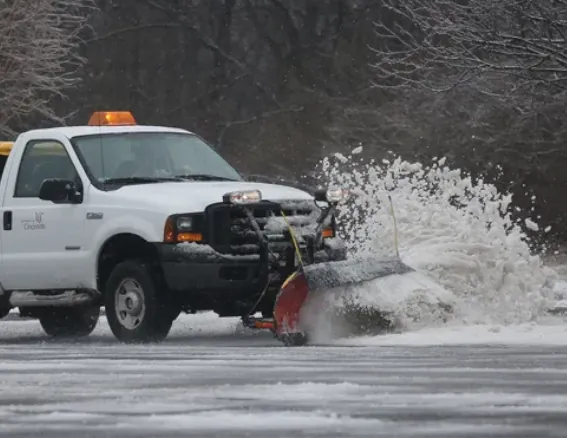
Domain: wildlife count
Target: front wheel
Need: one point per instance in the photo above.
(69, 322)
(137, 309)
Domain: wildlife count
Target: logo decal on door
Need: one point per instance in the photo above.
(34, 224)
(94, 215)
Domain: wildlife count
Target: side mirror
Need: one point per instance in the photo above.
(59, 191)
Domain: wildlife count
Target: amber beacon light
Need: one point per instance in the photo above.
(112, 118)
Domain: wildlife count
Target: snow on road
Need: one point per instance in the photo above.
(211, 378)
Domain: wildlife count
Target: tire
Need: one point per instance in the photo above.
(69, 322)
(4, 313)
(137, 308)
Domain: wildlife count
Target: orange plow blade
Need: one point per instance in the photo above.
(287, 309)
(320, 299)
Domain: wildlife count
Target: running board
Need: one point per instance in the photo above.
(65, 298)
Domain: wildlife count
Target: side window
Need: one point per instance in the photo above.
(3, 159)
(42, 159)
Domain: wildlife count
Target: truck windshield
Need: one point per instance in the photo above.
(140, 157)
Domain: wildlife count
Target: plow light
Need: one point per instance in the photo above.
(243, 197)
(332, 196)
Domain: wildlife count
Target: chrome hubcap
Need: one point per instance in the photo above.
(129, 303)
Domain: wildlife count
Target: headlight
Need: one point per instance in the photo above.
(185, 223)
(243, 197)
(184, 228)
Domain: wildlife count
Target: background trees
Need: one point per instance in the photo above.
(38, 59)
(277, 84)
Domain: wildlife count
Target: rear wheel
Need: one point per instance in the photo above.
(69, 322)
(137, 306)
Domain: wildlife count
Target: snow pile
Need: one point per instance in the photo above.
(455, 230)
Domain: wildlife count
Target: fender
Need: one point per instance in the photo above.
(129, 224)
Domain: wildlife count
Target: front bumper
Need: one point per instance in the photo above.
(197, 268)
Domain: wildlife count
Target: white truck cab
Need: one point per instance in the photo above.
(140, 220)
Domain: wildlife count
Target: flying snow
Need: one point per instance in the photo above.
(451, 228)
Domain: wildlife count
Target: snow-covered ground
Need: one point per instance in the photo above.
(211, 378)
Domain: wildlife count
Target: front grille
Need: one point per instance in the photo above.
(230, 231)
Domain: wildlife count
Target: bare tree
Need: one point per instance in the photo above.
(507, 57)
(38, 56)
(519, 45)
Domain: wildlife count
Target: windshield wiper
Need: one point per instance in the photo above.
(140, 180)
(204, 177)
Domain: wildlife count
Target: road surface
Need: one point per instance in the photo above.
(224, 383)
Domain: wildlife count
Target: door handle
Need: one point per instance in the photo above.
(7, 220)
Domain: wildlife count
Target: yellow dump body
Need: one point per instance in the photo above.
(6, 147)
(45, 148)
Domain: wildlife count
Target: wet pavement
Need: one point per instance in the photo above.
(228, 384)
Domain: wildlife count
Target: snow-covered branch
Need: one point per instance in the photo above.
(440, 44)
(38, 56)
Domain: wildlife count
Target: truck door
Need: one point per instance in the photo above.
(42, 242)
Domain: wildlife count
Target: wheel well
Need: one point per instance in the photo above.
(119, 248)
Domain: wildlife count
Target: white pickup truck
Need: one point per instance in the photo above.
(138, 220)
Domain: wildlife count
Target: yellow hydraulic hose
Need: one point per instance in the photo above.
(295, 244)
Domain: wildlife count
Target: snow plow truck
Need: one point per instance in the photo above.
(148, 222)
